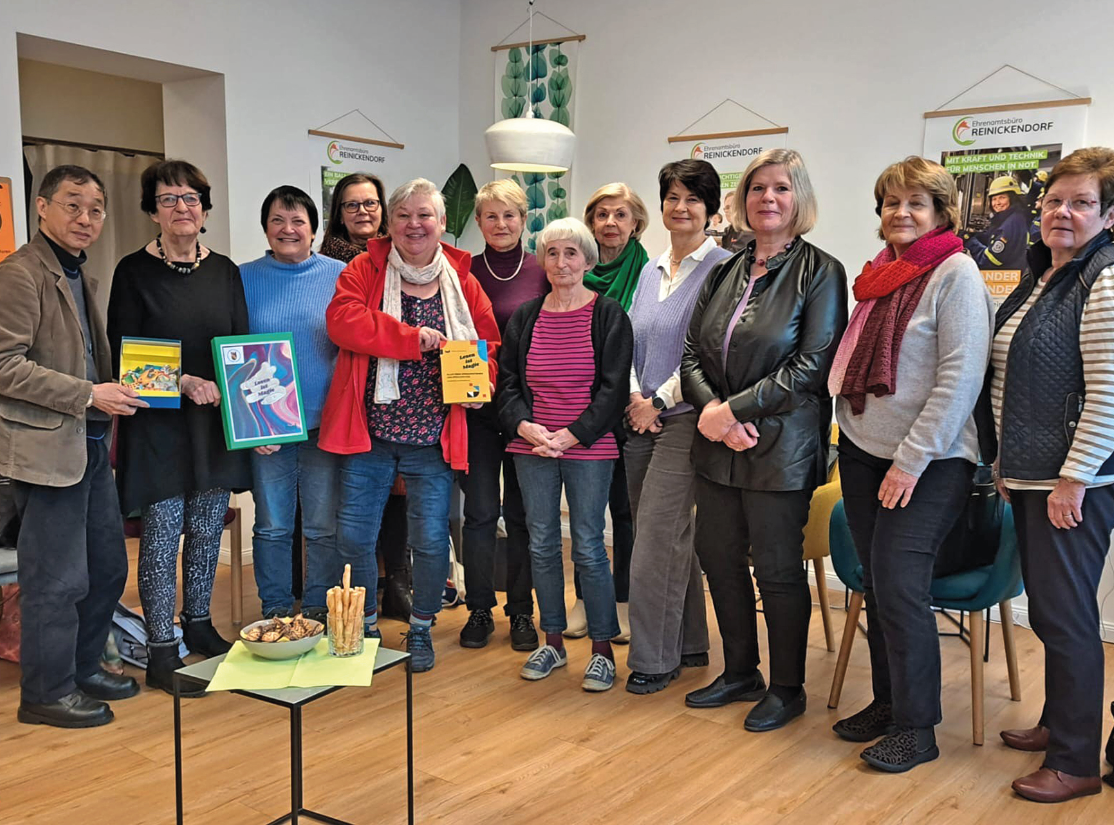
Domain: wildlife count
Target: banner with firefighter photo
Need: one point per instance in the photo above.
(1001, 161)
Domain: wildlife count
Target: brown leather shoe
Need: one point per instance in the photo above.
(1047, 785)
(1026, 739)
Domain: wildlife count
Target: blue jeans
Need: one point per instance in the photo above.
(586, 483)
(303, 470)
(365, 482)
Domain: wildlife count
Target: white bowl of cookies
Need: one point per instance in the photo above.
(282, 637)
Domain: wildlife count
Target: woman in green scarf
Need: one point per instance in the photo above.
(617, 218)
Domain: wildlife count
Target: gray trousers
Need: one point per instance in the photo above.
(667, 614)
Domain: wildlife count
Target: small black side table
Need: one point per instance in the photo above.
(294, 699)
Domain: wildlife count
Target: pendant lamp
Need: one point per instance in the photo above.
(530, 143)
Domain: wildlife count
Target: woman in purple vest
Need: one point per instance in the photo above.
(669, 625)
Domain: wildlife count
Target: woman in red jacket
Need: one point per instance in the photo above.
(393, 308)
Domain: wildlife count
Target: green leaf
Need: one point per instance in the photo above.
(539, 67)
(556, 175)
(537, 224)
(556, 212)
(554, 188)
(558, 98)
(535, 196)
(538, 95)
(561, 60)
(514, 55)
(459, 193)
(561, 115)
(560, 80)
(513, 106)
(558, 193)
(533, 177)
(531, 244)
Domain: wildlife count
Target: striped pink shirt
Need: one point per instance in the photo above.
(560, 370)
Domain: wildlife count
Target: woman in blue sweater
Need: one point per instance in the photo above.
(669, 625)
(287, 290)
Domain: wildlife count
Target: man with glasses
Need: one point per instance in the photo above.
(57, 399)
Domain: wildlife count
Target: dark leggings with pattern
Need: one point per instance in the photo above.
(200, 515)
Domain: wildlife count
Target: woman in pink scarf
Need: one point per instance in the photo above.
(906, 377)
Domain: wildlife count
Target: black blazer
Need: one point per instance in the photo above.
(777, 366)
(613, 343)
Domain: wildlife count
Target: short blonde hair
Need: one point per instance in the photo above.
(421, 187)
(568, 229)
(804, 198)
(504, 191)
(919, 173)
(619, 190)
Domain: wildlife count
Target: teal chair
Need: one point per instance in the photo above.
(971, 591)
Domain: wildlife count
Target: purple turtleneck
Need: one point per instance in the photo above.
(507, 295)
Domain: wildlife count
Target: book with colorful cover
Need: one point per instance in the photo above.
(464, 372)
(261, 398)
(153, 368)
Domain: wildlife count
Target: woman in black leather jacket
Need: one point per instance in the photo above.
(760, 344)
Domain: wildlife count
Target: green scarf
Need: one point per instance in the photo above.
(619, 278)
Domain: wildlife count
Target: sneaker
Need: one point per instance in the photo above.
(577, 625)
(542, 661)
(279, 613)
(478, 629)
(523, 634)
(371, 631)
(902, 750)
(599, 675)
(875, 720)
(316, 614)
(420, 647)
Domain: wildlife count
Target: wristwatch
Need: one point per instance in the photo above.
(89, 403)
(658, 402)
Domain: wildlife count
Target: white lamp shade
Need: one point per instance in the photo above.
(530, 144)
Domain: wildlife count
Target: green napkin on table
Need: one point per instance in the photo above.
(241, 670)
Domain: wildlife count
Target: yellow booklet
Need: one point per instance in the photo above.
(464, 375)
(153, 368)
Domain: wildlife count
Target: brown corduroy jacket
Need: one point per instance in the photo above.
(43, 388)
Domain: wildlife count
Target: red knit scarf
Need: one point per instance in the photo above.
(897, 284)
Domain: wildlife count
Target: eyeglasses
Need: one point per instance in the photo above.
(352, 207)
(1079, 206)
(75, 210)
(169, 201)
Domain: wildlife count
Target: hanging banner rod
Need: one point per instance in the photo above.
(1009, 107)
(356, 138)
(566, 39)
(777, 130)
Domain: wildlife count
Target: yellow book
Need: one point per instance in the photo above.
(153, 368)
(464, 374)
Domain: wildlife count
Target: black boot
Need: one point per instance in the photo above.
(201, 637)
(1110, 743)
(397, 598)
(162, 661)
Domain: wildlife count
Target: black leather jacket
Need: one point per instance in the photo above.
(776, 369)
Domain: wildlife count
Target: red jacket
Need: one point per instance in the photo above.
(362, 330)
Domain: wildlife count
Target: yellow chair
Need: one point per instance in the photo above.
(816, 540)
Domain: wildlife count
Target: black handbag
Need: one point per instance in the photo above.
(973, 540)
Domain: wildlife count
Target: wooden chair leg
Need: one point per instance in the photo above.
(1005, 611)
(236, 547)
(850, 627)
(822, 596)
(978, 635)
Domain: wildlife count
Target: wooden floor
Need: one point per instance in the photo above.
(491, 747)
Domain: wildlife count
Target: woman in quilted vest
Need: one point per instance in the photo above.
(1050, 392)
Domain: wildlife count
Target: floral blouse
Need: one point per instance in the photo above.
(418, 416)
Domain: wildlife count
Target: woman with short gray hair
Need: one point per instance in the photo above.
(392, 310)
(564, 383)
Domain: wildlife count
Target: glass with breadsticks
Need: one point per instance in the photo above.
(346, 617)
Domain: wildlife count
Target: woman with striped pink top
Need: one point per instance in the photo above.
(564, 382)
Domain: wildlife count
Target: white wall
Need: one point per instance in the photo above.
(851, 81)
(288, 66)
(62, 103)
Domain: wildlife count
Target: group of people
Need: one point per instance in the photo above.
(689, 393)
